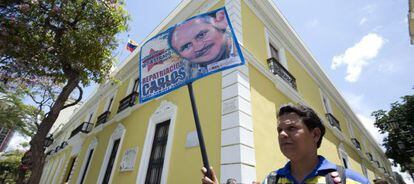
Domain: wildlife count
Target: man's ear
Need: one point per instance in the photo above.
(316, 132)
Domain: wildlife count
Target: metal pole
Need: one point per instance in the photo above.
(199, 131)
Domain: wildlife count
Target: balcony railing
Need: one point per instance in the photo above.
(103, 118)
(377, 163)
(128, 101)
(333, 121)
(369, 155)
(277, 69)
(85, 127)
(356, 143)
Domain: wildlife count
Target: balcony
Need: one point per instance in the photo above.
(277, 69)
(103, 118)
(377, 163)
(333, 121)
(63, 145)
(85, 127)
(369, 155)
(356, 143)
(128, 101)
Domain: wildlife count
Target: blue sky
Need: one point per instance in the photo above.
(363, 46)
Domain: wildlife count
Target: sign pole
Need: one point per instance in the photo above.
(199, 131)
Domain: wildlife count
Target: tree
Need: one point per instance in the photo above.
(9, 166)
(398, 122)
(16, 115)
(52, 47)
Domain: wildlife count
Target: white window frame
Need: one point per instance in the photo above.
(271, 39)
(92, 146)
(350, 129)
(71, 171)
(57, 171)
(343, 155)
(46, 171)
(118, 133)
(326, 106)
(364, 170)
(52, 168)
(108, 99)
(131, 85)
(166, 111)
(91, 112)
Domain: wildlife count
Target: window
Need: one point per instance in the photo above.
(326, 103)
(86, 166)
(276, 48)
(69, 173)
(135, 87)
(166, 112)
(90, 117)
(83, 171)
(274, 53)
(364, 170)
(343, 155)
(157, 153)
(110, 165)
(108, 108)
(111, 154)
(344, 161)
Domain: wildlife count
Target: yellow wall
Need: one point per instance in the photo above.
(265, 101)
(253, 34)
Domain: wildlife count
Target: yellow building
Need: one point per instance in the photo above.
(114, 139)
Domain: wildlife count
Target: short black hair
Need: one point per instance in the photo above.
(307, 115)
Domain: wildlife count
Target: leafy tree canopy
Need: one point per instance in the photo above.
(398, 122)
(48, 48)
(16, 115)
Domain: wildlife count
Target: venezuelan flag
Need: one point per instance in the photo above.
(131, 45)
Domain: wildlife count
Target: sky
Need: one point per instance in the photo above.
(363, 46)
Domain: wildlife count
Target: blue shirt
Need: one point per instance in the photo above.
(318, 174)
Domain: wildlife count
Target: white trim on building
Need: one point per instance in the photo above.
(166, 111)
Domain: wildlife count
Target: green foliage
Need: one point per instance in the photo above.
(9, 166)
(49, 48)
(49, 40)
(398, 122)
(16, 115)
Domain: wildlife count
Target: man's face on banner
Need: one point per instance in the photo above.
(199, 41)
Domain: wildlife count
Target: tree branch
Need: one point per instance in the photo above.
(77, 100)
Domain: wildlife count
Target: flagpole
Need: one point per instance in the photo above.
(199, 131)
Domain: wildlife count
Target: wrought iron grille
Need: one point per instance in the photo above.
(356, 143)
(277, 69)
(333, 121)
(128, 101)
(103, 118)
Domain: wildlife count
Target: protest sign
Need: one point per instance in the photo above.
(197, 47)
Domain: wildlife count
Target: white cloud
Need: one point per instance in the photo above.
(362, 21)
(358, 56)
